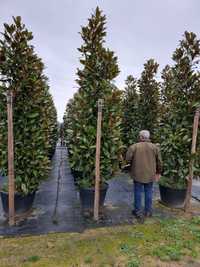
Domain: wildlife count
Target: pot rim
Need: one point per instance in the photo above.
(177, 189)
(105, 185)
(17, 193)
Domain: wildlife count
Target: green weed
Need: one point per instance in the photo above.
(167, 253)
(133, 263)
(33, 258)
(88, 259)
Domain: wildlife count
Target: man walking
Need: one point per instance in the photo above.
(146, 164)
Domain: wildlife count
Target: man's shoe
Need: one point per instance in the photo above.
(134, 213)
(137, 213)
(139, 216)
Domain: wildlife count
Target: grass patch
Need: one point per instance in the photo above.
(168, 253)
(33, 258)
(171, 240)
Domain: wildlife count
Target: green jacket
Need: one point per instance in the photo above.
(145, 160)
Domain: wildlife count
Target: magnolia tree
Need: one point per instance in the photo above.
(99, 68)
(149, 98)
(130, 120)
(180, 95)
(166, 89)
(34, 114)
(50, 122)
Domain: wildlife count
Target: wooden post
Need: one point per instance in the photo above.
(191, 164)
(11, 178)
(97, 164)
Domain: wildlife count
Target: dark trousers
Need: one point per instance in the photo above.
(148, 192)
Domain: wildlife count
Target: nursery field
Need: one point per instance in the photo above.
(161, 243)
(67, 196)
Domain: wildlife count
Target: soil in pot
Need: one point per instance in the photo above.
(171, 197)
(22, 203)
(87, 196)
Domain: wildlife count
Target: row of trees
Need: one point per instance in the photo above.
(166, 108)
(34, 113)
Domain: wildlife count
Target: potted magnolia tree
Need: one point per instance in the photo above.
(23, 72)
(95, 82)
(180, 96)
(149, 94)
(130, 119)
(141, 104)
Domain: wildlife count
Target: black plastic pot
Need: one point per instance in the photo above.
(22, 203)
(87, 196)
(173, 198)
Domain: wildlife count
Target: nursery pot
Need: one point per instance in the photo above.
(87, 196)
(22, 203)
(171, 197)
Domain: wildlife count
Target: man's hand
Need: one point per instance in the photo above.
(188, 178)
(157, 177)
(126, 168)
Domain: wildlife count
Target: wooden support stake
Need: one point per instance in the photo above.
(11, 178)
(97, 164)
(187, 203)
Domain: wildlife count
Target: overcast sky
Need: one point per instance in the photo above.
(136, 30)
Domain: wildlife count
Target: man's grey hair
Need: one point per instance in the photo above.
(144, 135)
